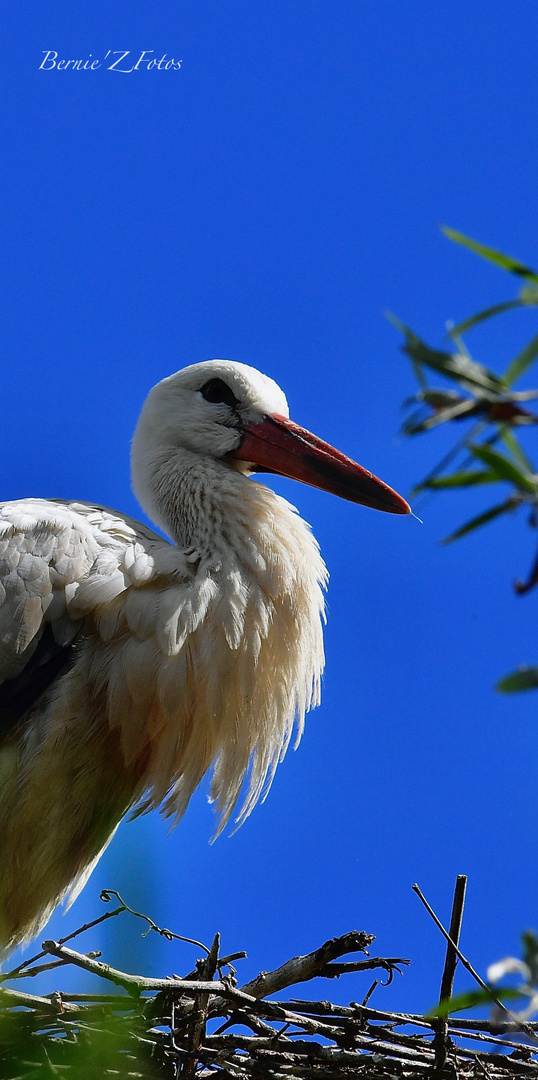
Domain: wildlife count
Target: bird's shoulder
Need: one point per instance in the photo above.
(60, 560)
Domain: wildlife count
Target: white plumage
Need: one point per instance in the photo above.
(130, 665)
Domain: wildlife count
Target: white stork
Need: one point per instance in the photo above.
(130, 665)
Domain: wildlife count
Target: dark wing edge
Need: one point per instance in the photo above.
(48, 662)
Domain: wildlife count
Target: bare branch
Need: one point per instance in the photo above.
(302, 968)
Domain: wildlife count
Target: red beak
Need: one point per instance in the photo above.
(278, 445)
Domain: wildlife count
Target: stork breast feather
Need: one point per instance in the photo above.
(181, 610)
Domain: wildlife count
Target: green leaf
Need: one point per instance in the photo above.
(521, 362)
(460, 479)
(529, 295)
(452, 365)
(530, 952)
(419, 374)
(481, 316)
(441, 416)
(417, 349)
(438, 398)
(413, 423)
(473, 998)
(504, 261)
(482, 519)
(458, 367)
(407, 333)
(505, 468)
(513, 446)
(525, 678)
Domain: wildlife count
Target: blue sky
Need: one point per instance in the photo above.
(267, 202)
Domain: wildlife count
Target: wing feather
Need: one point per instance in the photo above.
(61, 563)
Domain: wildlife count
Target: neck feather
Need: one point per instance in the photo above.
(256, 654)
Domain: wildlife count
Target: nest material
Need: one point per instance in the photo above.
(204, 1026)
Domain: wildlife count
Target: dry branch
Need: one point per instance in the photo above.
(303, 968)
(441, 1043)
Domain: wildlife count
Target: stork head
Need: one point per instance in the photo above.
(229, 411)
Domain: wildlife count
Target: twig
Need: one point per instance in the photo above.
(14, 973)
(105, 895)
(440, 1043)
(163, 931)
(369, 992)
(32, 972)
(135, 984)
(325, 1053)
(494, 1040)
(466, 963)
(334, 971)
(522, 1025)
(225, 961)
(196, 1031)
(303, 968)
(14, 998)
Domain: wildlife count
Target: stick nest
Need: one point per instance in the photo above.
(203, 1025)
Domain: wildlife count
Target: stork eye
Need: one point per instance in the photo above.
(218, 393)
